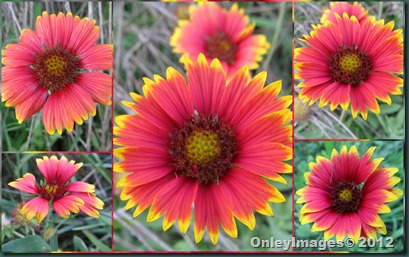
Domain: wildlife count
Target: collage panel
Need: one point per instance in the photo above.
(349, 196)
(56, 203)
(57, 64)
(348, 65)
(196, 165)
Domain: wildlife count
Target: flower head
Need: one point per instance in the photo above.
(349, 62)
(346, 194)
(339, 8)
(222, 34)
(47, 69)
(57, 190)
(205, 143)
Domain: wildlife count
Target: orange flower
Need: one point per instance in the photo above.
(345, 194)
(206, 143)
(63, 195)
(350, 62)
(339, 8)
(222, 34)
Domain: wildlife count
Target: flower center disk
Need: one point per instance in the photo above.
(52, 192)
(346, 197)
(221, 47)
(203, 148)
(350, 66)
(56, 68)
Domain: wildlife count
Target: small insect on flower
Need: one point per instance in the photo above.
(57, 190)
(47, 69)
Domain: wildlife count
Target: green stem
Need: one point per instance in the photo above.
(275, 36)
(380, 10)
(46, 225)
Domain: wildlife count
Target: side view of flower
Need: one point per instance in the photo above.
(345, 194)
(222, 34)
(47, 69)
(206, 143)
(348, 62)
(57, 190)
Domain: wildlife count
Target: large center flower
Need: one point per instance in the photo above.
(350, 62)
(203, 148)
(206, 143)
(56, 68)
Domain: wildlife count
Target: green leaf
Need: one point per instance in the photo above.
(98, 244)
(28, 244)
(54, 242)
(388, 109)
(79, 244)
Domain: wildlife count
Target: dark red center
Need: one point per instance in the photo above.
(220, 46)
(56, 68)
(52, 192)
(350, 65)
(346, 197)
(203, 148)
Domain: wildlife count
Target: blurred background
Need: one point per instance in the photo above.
(77, 233)
(314, 122)
(392, 151)
(95, 133)
(142, 32)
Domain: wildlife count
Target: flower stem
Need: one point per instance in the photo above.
(46, 225)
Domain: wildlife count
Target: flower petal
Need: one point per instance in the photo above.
(26, 184)
(176, 201)
(36, 207)
(209, 209)
(69, 203)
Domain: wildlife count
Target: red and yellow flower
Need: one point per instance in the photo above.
(351, 62)
(57, 190)
(345, 194)
(222, 34)
(205, 143)
(47, 69)
(339, 8)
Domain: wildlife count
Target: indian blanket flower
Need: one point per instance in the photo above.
(339, 8)
(346, 194)
(48, 67)
(207, 143)
(57, 190)
(350, 62)
(222, 34)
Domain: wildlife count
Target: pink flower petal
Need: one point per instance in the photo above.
(26, 184)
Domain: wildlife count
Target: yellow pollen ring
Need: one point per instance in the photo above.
(345, 195)
(225, 45)
(55, 65)
(51, 189)
(202, 146)
(350, 62)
